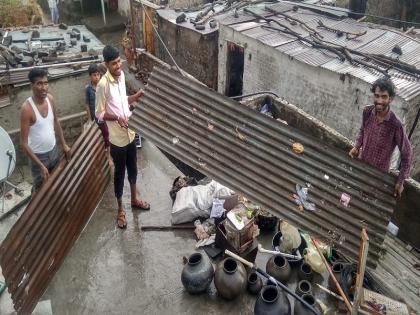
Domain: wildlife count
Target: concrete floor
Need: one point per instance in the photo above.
(113, 271)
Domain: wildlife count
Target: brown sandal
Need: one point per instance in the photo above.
(140, 204)
(121, 221)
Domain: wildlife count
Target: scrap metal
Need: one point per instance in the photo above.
(36, 245)
(253, 155)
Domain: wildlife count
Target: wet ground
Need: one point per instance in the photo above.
(113, 271)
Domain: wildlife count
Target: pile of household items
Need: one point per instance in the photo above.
(297, 266)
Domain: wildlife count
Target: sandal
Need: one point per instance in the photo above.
(121, 221)
(140, 204)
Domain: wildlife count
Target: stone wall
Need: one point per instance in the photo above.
(337, 100)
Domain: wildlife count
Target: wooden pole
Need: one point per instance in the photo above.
(361, 268)
(337, 285)
(133, 30)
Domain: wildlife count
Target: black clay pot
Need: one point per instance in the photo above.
(301, 309)
(272, 301)
(266, 223)
(254, 283)
(230, 278)
(197, 274)
(305, 272)
(278, 267)
(303, 287)
(336, 269)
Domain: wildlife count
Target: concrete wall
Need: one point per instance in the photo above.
(301, 120)
(406, 212)
(335, 99)
(194, 52)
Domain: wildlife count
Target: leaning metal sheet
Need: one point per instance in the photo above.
(37, 244)
(252, 154)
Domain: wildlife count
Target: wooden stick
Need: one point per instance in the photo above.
(166, 227)
(361, 267)
(337, 285)
(329, 292)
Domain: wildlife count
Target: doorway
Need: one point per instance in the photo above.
(234, 70)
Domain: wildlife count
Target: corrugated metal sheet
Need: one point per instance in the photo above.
(314, 58)
(375, 41)
(384, 44)
(411, 53)
(37, 244)
(252, 154)
(367, 74)
(268, 37)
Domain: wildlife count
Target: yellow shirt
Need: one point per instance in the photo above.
(111, 97)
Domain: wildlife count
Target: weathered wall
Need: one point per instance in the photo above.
(336, 100)
(301, 120)
(124, 7)
(68, 93)
(194, 52)
(406, 213)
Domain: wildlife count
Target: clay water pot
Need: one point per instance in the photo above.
(230, 278)
(336, 269)
(254, 283)
(303, 287)
(305, 272)
(278, 267)
(300, 309)
(272, 300)
(197, 274)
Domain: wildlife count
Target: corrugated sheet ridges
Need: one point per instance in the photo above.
(252, 154)
(37, 244)
(375, 41)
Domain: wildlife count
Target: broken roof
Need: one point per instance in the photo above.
(253, 155)
(62, 51)
(343, 45)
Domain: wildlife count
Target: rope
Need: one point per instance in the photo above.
(160, 39)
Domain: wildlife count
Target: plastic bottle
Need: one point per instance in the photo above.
(312, 257)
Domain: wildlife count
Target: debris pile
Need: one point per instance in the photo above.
(35, 46)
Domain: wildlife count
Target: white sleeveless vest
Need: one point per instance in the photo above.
(41, 137)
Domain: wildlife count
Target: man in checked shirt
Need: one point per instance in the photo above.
(381, 132)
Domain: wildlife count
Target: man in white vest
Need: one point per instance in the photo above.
(39, 128)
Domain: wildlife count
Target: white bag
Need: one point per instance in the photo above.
(196, 201)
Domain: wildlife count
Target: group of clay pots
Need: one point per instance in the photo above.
(230, 276)
(280, 268)
(231, 279)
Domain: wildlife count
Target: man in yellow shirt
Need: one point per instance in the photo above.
(113, 107)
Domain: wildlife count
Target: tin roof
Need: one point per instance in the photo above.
(252, 154)
(363, 40)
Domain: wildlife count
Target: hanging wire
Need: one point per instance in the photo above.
(160, 39)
